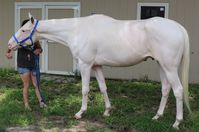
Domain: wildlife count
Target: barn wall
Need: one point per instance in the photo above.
(183, 11)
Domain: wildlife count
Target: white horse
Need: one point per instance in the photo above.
(99, 40)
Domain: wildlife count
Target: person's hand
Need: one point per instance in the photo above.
(37, 51)
(9, 54)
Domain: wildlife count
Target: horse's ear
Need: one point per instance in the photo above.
(29, 14)
(31, 18)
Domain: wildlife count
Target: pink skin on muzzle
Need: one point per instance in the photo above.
(12, 45)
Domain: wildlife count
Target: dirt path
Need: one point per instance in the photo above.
(45, 125)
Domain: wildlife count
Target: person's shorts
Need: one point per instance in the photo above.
(22, 70)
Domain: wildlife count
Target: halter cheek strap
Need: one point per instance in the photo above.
(27, 38)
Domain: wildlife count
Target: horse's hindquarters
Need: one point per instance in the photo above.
(166, 40)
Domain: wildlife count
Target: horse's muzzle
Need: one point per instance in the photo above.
(12, 47)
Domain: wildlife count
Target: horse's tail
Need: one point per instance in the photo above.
(185, 69)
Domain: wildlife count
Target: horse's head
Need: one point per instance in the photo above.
(25, 36)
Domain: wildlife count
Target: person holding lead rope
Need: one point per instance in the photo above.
(28, 68)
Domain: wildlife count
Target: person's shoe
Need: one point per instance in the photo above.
(27, 108)
(42, 105)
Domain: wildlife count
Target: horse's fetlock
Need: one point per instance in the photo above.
(103, 90)
(85, 92)
(83, 110)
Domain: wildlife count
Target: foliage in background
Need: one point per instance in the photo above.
(134, 103)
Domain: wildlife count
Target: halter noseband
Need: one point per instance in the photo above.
(27, 38)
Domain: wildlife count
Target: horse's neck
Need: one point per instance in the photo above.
(58, 30)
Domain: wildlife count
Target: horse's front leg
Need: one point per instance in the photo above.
(85, 74)
(101, 81)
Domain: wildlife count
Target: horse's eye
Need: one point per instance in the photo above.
(23, 31)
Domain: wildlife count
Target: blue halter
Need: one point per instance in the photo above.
(27, 38)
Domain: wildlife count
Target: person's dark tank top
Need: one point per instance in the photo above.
(25, 58)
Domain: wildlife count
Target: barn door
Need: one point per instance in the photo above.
(59, 57)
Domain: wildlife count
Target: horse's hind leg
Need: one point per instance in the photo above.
(103, 88)
(173, 78)
(166, 87)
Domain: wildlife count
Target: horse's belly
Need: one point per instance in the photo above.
(120, 54)
(118, 60)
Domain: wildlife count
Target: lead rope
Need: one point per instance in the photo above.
(38, 77)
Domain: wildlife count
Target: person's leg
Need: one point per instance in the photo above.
(37, 92)
(26, 79)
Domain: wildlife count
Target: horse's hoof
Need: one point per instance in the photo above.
(176, 127)
(78, 117)
(106, 114)
(176, 124)
(155, 117)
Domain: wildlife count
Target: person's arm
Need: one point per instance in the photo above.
(9, 53)
(37, 49)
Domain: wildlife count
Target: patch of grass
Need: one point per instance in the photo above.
(11, 109)
(133, 102)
